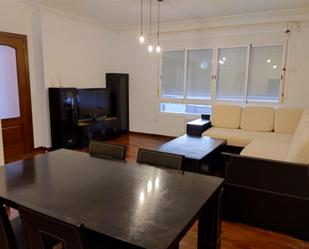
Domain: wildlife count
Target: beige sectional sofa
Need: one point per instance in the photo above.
(264, 132)
(267, 184)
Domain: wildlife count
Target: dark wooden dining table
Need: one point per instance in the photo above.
(138, 206)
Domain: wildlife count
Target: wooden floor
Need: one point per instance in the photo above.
(234, 236)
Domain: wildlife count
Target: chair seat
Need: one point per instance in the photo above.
(20, 233)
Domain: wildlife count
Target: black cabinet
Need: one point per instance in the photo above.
(67, 131)
(63, 117)
(119, 88)
(101, 129)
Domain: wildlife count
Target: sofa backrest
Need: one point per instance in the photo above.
(226, 116)
(257, 118)
(287, 119)
(299, 148)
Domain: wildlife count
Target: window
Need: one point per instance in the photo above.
(265, 74)
(9, 93)
(173, 74)
(199, 74)
(231, 76)
(185, 108)
(243, 74)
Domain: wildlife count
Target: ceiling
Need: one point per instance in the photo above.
(126, 13)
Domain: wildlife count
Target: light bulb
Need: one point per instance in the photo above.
(150, 48)
(158, 49)
(141, 39)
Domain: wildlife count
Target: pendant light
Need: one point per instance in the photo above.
(141, 37)
(158, 48)
(150, 46)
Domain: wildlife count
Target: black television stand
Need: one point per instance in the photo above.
(102, 128)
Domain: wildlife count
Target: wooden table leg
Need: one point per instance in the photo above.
(209, 225)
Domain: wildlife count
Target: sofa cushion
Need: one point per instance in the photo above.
(257, 118)
(287, 119)
(241, 138)
(264, 148)
(226, 116)
(299, 149)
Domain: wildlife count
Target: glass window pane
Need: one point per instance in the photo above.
(173, 74)
(265, 74)
(231, 74)
(199, 74)
(185, 108)
(9, 95)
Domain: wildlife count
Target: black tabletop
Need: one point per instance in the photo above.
(142, 205)
(192, 147)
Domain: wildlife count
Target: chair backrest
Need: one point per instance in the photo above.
(44, 232)
(161, 159)
(107, 151)
(7, 238)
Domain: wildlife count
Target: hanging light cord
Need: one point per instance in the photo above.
(150, 20)
(141, 17)
(158, 34)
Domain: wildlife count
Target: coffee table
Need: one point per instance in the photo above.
(196, 150)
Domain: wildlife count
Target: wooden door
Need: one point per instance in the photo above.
(16, 129)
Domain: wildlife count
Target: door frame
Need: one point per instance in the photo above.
(27, 80)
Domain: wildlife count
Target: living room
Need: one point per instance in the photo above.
(236, 44)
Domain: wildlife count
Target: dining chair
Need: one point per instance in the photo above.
(45, 232)
(7, 239)
(160, 159)
(12, 233)
(107, 151)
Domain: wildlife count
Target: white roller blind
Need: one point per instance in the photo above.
(173, 74)
(265, 74)
(231, 74)
(199, 74)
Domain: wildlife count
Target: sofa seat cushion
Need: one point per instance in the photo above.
(241, 138)
(226, 116)
(257, 118)
(267, 149)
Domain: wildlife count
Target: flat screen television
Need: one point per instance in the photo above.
(93, 103)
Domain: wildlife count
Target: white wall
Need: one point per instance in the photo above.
(297, 80)
(75, 52)
(60, 46)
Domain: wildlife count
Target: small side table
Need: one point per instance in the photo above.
(197, 127)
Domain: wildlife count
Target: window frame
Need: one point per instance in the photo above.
(214, 79)
(282, 90)
(215, 101)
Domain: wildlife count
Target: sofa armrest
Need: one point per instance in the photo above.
(205, 116)
(197, 127)
(275, 176)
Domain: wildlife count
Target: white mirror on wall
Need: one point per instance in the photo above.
(9, 95)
